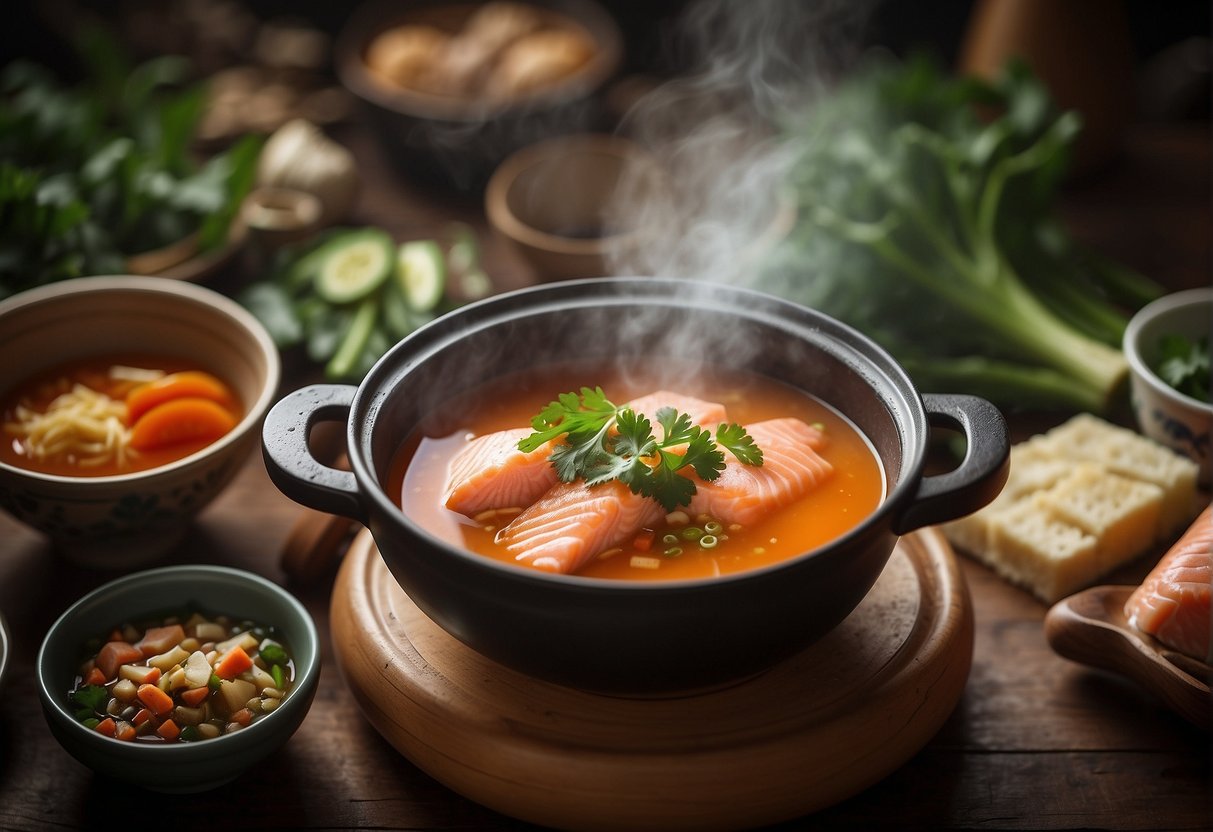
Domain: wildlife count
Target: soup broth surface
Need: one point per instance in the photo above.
(92, 451)
(418, 474)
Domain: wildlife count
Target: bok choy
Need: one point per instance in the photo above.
(928, 221)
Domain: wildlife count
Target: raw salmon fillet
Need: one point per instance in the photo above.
(703, 413)
(491, 473)
(1172, 603)
(791, 467)
(572, 523)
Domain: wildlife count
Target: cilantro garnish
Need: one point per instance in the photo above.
(1184, 365)
(604, 441)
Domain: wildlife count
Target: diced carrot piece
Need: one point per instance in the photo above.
(644, 541)
(233, 663)
(95, 677)
(107, 726)
(181, 420)
(195, 696)
(153, 676)
(242, 717)
(113, 654)
(156, 700)
(159, 639)
(168, 729)
(141, 717)
(125, 731)
(193, 384)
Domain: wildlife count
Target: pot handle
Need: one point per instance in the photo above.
(289, 460)
(979, 477)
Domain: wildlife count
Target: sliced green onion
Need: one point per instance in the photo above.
(669, 539)
(273, 653)
(691, 533)
(712, 527)
(673, 552)
(708, 541)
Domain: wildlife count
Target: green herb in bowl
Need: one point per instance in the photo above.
(1183, 363)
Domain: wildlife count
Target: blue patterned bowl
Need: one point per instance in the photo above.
(1164, 414)
(118, 522)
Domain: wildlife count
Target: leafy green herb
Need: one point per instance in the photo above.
(91, 697)
(95, 173)
(1184, 364)
(604, 441)
(927, 220)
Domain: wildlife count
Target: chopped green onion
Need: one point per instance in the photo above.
(708, 541)
(712, 527)
(691, 533)
(273, 653)
(669, 539)
(673, 552)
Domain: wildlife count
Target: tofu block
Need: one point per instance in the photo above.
(1081, 500)
(1034, 549)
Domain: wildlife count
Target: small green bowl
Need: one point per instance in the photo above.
(177, 768)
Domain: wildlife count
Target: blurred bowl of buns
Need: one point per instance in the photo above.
(453, 88)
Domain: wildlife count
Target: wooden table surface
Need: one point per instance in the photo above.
(1036, 741)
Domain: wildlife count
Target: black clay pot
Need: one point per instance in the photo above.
(616, 636)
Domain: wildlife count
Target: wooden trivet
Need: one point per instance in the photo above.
(812, 731)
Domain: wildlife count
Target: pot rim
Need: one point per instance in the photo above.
(439, 335)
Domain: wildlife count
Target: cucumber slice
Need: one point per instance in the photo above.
(354, 265)
(355, 340)
(421, 273)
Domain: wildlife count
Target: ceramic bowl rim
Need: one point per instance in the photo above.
(1132, 347)
(298, 698)
(76, 289)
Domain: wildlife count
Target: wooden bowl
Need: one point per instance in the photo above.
(550, 199)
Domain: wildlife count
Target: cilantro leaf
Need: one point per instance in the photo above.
(739, 443)
(1184, 365)
(604, 442)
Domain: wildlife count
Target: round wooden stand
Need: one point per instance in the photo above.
(810, 732)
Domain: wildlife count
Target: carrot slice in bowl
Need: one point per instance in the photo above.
(181, 420)
(193, 384)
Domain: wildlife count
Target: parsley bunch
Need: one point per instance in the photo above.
(604, 441)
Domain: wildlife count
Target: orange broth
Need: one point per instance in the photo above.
(849, 495)
(37, 392)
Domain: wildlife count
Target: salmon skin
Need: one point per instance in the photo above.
(1172, 603)
(791, 467)
(573, 523)
(491, 473)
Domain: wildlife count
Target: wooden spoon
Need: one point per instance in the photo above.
(1090, 627)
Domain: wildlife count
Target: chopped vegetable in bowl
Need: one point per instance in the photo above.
(181, 678)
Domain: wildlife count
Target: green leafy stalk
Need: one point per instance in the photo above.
(931, 227)
(604, 441)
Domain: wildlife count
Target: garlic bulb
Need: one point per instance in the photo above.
(299, 156)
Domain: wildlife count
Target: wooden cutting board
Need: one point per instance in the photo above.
(818, 728)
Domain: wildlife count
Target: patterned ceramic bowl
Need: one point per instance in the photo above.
(1163, 413)
(115, 522)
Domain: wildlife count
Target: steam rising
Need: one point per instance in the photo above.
(713, 132)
